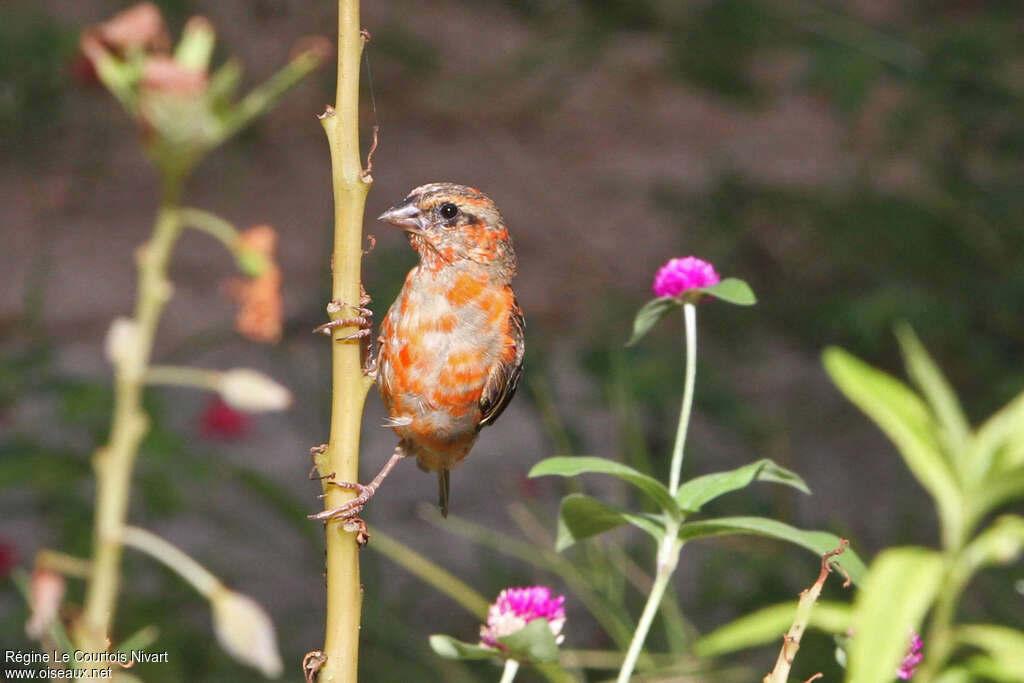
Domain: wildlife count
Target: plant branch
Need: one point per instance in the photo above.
(182, 376)
(115, 461)
(201, 579)
(341, 460)
(791, 641)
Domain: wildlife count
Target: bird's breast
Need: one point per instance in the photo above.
(439, 342)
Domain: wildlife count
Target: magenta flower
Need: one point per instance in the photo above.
(682, 274)
(516, 607)
(912, 658)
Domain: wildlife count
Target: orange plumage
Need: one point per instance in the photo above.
(451, 345)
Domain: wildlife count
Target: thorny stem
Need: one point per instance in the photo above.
(114, 461)
(791, 641)
(690, 315)
(341, 123)
(508, 674)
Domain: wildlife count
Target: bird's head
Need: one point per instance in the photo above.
(451, 224)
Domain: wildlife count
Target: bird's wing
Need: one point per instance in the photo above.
(504, 376)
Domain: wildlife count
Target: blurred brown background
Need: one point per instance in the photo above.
(857, 163)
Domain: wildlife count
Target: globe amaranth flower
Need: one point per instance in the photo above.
(680, 275)
(912, 658)
(516, 607)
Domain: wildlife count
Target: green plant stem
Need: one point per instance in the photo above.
(262, 98)
(668, 557)
(62, 563)
(212, 224)
(201, 579)
(940, 640)
(341, 123)
(670, 545)
(508, 674)
(182, 376)
(114, 461)
(690, 316)
(431, 573)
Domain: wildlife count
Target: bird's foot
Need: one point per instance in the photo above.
(363, 320)
(350, 509)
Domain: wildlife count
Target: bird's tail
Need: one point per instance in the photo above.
(444, 489)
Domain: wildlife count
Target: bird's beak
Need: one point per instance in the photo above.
(408, 217)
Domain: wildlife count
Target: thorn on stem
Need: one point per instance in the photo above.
(365, 35)
(328, 112)
(311, 663)
(373, 243)
(815, 677)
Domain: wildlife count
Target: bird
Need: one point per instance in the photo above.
(450, 348)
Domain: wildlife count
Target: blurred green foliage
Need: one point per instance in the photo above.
(35, 59)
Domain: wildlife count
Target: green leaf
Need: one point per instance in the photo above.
(1003, 644)
(1003, 431)
(982, 668)
(937, 391)
(450, 648)
(649, 314)
(699, 490)
(997, 491)
(1000, 543)
(532, 643)
(581, 517)
(570, 466)
(731, 290)
(897, 592)
(766, 626)
(819, 542)
(905, 419)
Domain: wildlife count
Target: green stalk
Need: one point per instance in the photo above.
(668, 557)
(114, 462)
(508, 674)
(690, 316)
(670, 546)
(341, 123)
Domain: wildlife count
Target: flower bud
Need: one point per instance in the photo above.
(252, 392)
(47, 591)
(121, 340)
(245, 631)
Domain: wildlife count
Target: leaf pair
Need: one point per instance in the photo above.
(731, 290)
(582, 516)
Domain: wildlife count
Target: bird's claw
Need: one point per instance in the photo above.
(349, 510)
(362, 320)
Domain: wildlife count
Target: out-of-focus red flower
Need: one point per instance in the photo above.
(8, 558)
(221, 421)
(83, 71)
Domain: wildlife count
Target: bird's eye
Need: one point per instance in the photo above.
(448, 211)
